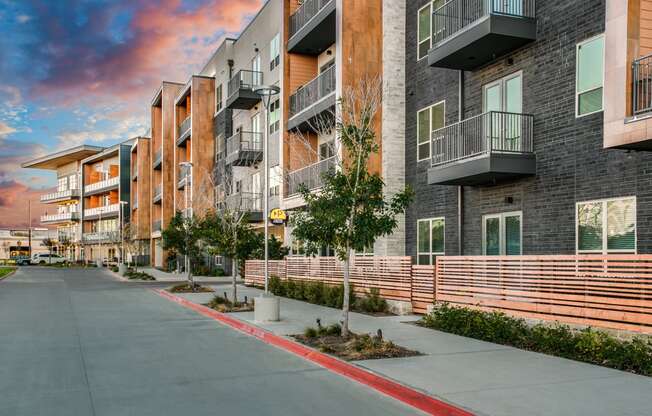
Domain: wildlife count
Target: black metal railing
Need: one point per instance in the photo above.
(184, 126)
(311, 177)
(158, 157)
(493, 131)
(244, 202)
(157, 193)
(245, 79)
(642, 85)
(244, 141)
(307, 10)
(312, 92)
(456, 15)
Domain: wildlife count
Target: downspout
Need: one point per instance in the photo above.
(460, 189)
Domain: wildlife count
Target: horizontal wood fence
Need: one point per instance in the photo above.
(613, 291)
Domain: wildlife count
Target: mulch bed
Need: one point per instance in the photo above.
(356, 347)
(224, 305)
(186, 288)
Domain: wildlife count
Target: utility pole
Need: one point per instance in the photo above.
(29, 231)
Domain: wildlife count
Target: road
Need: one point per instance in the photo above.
(77, 342)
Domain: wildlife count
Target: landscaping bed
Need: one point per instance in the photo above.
(353, 347)
(6, 271)
(186, 288)
(587, 345)
(223, 304)
(134, 275)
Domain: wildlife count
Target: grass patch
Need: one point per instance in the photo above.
(329, 340)
(186, 288)
(6, 271)
(587, 345)
(223, 304)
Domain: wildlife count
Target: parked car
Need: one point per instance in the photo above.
(47, 258)
(21, 260)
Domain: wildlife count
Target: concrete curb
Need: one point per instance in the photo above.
(388, 387)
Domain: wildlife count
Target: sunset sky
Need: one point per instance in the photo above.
(74, 72)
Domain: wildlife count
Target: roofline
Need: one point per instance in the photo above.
(83, 147)
(109, 150)
(159, 91)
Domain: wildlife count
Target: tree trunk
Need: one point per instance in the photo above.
(234, 276)
(345, 302)
(191, 282)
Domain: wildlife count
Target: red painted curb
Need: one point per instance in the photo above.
(402, 393)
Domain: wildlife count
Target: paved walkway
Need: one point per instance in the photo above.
(487, 378)
(181, 277)
(77, 342)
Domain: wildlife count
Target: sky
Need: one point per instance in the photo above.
(84, 72)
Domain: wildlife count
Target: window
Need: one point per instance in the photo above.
(237, 187)
(589, 76)
(62, 184)
(218, 98)
(275, 180)
(72, 181)
(430, 240)
(274, 116)
(501, 234)
(275, 52)
(428, 120)
(326, 150)
(606, 226)
(424, 29)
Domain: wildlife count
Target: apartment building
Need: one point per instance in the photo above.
(238, 67)
(140, 188)
(65, 200)
(526, 127)
(329, 46)
(162, 150)
(106, 179)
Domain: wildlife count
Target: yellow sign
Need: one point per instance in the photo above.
(277, 216)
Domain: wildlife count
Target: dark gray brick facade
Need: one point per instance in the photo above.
(572, 165)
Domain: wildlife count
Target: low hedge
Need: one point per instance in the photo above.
(587, 345)
(134, 275)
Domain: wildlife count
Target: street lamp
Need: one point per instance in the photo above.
(188, 166)
(266, 307)
(122, 236)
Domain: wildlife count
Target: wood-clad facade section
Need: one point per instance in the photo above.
(141, 199)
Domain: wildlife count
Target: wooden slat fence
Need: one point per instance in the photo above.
(423, 288)
(613, 291)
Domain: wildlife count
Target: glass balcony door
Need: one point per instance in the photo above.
(501, 234)
(504, 96)
(256, 130)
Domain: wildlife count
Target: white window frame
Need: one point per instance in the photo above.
(219, 102)
(605, 236)
(503, 241)
(429, 5)
(275, 52)
(430, 107)
(502, 82)
(430, 253)
(577, 74)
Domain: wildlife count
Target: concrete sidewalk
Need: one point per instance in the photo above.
(162, 276)
(486, 378)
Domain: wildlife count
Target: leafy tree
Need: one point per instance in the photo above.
(275, 247)
(351, 210)
(183, 235)
(131, 242)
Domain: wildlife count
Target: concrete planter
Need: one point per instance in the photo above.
(267, 308)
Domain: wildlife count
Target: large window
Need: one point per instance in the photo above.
(428, 120)
(275, 52)
(501, 234)
(274, 116)
(589, 76)
(424, 29)
(606, 226)
(430, 240)
(218, 98)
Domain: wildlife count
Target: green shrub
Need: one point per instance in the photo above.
(318, 293)
(114, 269)
(372, 303)
(588, 345)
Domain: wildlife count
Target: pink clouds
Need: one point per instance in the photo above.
(14, 199)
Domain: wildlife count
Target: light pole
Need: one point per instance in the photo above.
(266, 307)
(122, 236)
(188, 166)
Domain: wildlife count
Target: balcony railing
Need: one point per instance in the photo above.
(244, 202)
(311, 177)
(184, 128)
(134, 204)
(108, 210)
(158, 158)
(156, 226)
(101, 185)
(60, 196)
(307, 11)
(245, 79)
(184, 178)
(157, 193)
(244, 148)
(102, 236)
(312, 92)
(60, 217)
(457, 15)
(642, 85)
(134, 173)
(483, 134)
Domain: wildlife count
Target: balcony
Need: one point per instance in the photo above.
(467, 34)
(60, 196)
(101, 237)
(134, 173)
(311, 177)
(249, 202)
(157, 194)
(184, 131)
(312, 27)
(184, 179)
(158, 159)
(244, 148)
(314, 100)
(102, 186)
(134, 204)
(59, 218)
(241, 90)
(107, 211)
(484, 149)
